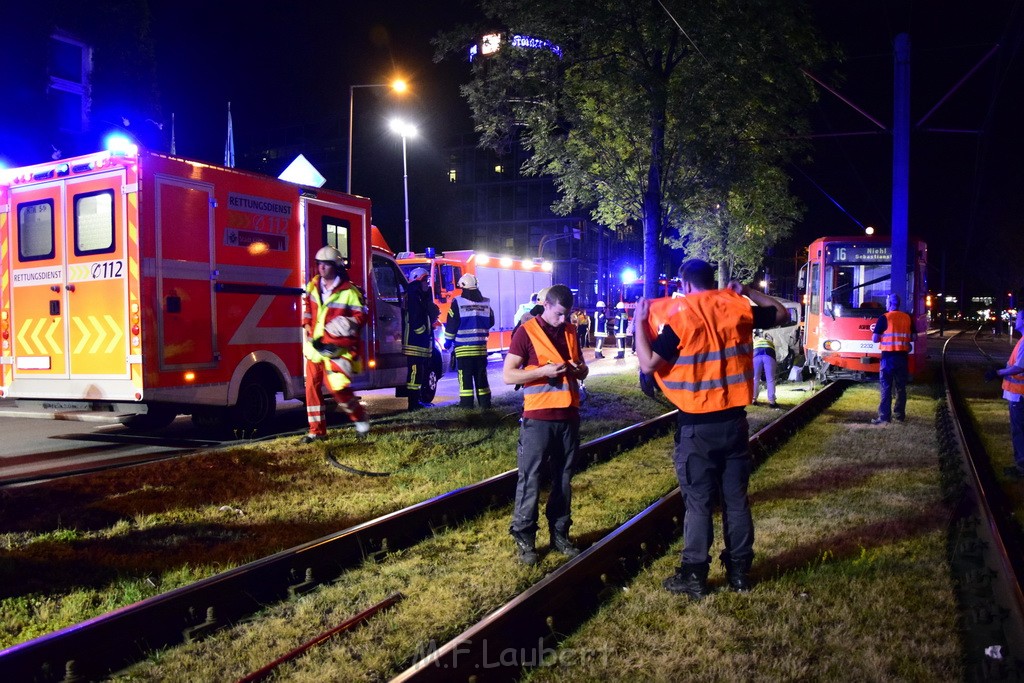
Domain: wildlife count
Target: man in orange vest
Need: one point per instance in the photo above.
(702, 356)
(1013, 392)
(545, 358)
(893, 333)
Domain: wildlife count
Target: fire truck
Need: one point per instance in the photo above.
(505, 281)
(154, 285)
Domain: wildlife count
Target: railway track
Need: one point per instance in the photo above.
(112, 641)
(531, 625)
(1001, 539)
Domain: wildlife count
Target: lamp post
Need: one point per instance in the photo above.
(406, 130)
(398, 85)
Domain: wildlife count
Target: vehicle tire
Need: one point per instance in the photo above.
(256, 405)
(158, 417)
(428, 389)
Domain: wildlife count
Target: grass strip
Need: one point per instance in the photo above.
(852, 571)
(76, 548)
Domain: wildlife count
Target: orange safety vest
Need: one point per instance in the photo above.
(897, 332)
(715, 366)
(544, 394)
(1015, 383)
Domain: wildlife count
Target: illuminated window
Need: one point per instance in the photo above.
(452, 175)
(499, 169)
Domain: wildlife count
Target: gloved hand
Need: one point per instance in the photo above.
(991, 374)
(448, 344)
(326, 350)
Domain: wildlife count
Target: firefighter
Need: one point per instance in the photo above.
(702, 357)
(601, 314)
(333, 314)
(418, 333)
(893, 332)
(469, 322)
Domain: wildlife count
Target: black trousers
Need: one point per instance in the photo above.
(555, 443)
(473, 381)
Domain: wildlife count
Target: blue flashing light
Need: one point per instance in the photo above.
(429, 252)
(120, 145)
(628, 276)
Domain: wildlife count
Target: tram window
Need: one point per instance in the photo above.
(857, 290)
(814, 291)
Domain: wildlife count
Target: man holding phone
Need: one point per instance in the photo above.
(545, 358)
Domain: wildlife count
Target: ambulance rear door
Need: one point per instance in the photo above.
(69, 266)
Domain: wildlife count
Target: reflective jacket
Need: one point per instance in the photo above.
(764, 343)
(337, 319)
(418, 323)
(557, 392)
(1015, 383)
(897, 335)
(474, 319)
(715, 367)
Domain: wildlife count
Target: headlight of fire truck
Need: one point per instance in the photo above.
(832, 345)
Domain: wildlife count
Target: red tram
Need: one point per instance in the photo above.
(846, 281)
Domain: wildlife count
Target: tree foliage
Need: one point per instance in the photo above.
(651, 125)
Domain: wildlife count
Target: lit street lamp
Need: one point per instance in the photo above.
(398, 85)
(406, 130)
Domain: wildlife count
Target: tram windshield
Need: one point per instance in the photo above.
(857, 281)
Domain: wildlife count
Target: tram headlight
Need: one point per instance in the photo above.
(833, 345)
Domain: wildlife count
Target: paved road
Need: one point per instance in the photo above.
(43, 445)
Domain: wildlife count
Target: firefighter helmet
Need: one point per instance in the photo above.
(418, 274)
(599, 304)
(542, 295)
(330, 255)
(468, 281)
(620, 306)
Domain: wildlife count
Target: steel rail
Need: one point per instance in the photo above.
(527, 629)
(109, 642)
(996, 508)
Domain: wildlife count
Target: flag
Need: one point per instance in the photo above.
(229, 145)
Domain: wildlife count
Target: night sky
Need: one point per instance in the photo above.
(294, 63)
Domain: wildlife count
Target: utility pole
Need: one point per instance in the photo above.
(901, 172)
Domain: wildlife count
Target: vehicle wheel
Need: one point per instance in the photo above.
(429, 387)
(158, 417)
(255, 407)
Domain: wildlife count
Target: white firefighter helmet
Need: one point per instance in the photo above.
(542, 295)
(418, 274)
(599, 304)
(468, 281)
(620, 306)
(330, 255)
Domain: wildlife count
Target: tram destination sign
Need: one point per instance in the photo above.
(853, 254)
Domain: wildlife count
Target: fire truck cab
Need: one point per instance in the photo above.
(136, 281)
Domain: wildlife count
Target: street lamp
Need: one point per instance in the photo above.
(398, 85)
(406, 130)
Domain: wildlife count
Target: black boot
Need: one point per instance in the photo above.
(737, 573)
(414, 402)
(527, 547)
(485, 401)
(560, 542)
(690, 580)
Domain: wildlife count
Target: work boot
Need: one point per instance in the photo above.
(879, 421)
(362, 429)
(310, 438)
(598, 354)
(527, 547)
(690, 580)
(465, 402)
(414, 403)
(737, 574)
(561, 543)
(485, 402)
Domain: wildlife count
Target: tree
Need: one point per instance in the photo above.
(633, 118)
